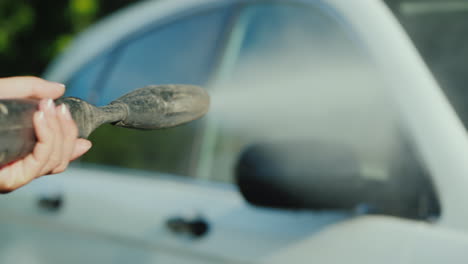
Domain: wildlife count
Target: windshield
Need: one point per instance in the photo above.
(439, 30)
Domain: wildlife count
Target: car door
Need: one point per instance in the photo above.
(296, 74)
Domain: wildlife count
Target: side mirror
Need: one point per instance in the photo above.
(322, 176)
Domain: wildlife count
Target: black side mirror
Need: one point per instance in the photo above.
(323, 176)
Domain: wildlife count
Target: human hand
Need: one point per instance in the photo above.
(56, 132)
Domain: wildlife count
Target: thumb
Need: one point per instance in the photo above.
(29, 87)
(81, 147)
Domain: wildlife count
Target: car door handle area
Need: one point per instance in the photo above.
(50, 203)
(195, 227)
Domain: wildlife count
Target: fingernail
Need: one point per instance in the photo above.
(84, 146)
(50, 105)
(40, 115)
(59, 84)
(65, 112)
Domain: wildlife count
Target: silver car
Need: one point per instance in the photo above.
(328, 141)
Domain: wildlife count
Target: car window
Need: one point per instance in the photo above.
(302, 82)
(285, 50)
(83, 83)
(181, 51)
(301, 76)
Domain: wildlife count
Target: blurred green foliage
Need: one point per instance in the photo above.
(34, 32)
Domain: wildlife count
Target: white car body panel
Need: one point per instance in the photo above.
(138, 218)
(376, 239)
